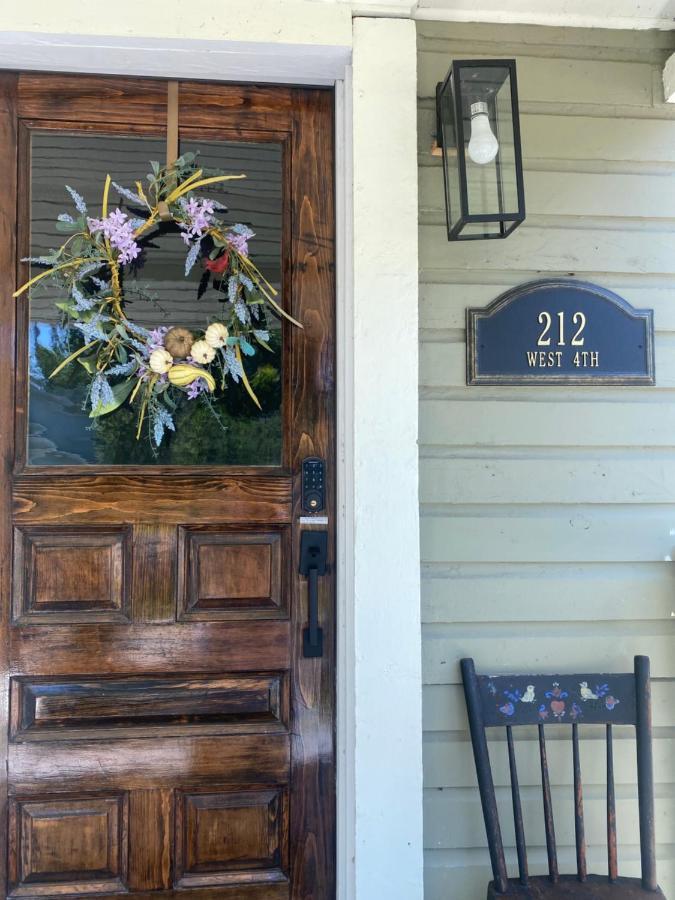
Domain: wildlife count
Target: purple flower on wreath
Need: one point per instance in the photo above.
(239, 237)
(119, 230)
(156, 339)
(197, 387)
(199, 213)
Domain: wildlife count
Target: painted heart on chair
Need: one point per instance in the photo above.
(558, 708)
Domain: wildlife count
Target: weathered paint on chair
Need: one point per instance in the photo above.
(510, 701)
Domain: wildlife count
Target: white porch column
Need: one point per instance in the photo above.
(387, 686)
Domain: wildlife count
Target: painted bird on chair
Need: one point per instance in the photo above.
(528, 696)
(588, 694)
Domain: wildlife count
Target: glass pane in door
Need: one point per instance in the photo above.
(230, 430)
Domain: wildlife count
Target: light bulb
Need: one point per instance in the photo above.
(483, 145)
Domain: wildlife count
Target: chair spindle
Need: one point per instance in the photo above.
(612, 865)
(579, 831)
(645, 772)
(521, 849)
(548, 809)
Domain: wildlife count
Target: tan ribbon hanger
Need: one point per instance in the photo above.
(171, 137)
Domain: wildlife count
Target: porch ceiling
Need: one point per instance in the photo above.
(631, 14)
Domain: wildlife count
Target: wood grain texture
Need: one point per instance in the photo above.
(148, 649)
(94, 499)
(51, 709)
(235, 891)
(197, 715)
(312, 822)
(78, 98)
(150, 849)
(8, 165)
(231, 837)
(252, 759)
(154, 573)
(68, 845)
(233, 574)
(71, 575)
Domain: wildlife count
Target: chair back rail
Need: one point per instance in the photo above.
(552, 701)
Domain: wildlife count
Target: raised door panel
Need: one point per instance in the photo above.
(72, 575)
(67, 845)
(54, 709)
(231, 838)
(232, 574)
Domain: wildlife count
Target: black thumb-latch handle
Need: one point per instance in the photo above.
(313, 635)
(313, 550)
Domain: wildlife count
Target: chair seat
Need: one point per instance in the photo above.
(596, 887)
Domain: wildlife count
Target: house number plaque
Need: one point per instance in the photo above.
(560, 331)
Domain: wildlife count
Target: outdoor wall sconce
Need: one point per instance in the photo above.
(478, 131)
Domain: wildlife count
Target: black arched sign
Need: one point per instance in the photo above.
(560, 331)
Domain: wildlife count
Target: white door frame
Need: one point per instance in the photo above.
(379, 733)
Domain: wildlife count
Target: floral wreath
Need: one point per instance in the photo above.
(155, 370)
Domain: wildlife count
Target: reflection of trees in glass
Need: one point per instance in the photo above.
(232, 431)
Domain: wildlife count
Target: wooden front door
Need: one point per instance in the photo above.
(162, 728)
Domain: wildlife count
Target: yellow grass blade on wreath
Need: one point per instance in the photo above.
(247, 384)
(186, 187)
(72, 356)
(65, 265)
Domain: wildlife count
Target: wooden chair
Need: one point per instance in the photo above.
(553, 701)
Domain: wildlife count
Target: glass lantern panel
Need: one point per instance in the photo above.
(450, 160)
(477, 230)
(507, 152)
(491, 185)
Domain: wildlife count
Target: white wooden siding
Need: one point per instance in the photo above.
(548, 515)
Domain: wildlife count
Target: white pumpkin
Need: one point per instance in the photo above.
(160, 361)
(216, 334)
(202, 353)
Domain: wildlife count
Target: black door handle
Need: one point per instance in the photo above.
(313, 551)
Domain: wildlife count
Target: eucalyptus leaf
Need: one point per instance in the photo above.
(120, 393)
(88, 363)
(66, 226)
(67, 307)
(264, 344)
(246, 347)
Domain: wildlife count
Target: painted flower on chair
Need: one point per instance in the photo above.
(611, 702)
(557, 697)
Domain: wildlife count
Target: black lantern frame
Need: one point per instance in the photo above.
(450, 133)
